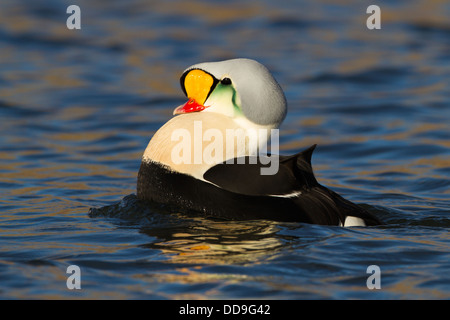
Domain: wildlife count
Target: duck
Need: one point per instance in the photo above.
(211, 158)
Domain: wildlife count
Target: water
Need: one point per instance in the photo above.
(78, 107)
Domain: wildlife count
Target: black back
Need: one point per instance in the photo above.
(239, 191)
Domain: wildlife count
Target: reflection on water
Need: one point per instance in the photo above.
(212, 242)
(77, 109)
(196, 240)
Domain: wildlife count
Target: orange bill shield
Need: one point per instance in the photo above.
(197, 85)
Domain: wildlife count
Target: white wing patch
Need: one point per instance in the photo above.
(288, 195)
(351, 221)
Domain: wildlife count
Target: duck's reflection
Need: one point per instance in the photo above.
(197, 240)
(203, 240)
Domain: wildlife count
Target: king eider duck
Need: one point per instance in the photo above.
(201, 161)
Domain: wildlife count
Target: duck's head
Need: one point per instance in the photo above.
(237, 88)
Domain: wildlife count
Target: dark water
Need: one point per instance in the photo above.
(78, 107)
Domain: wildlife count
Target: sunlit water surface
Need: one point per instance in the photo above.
(78, 107)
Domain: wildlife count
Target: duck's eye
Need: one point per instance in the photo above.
(225, 81)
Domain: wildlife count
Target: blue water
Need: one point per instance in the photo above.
(78, 107)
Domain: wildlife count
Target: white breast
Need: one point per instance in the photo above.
(193, 143)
